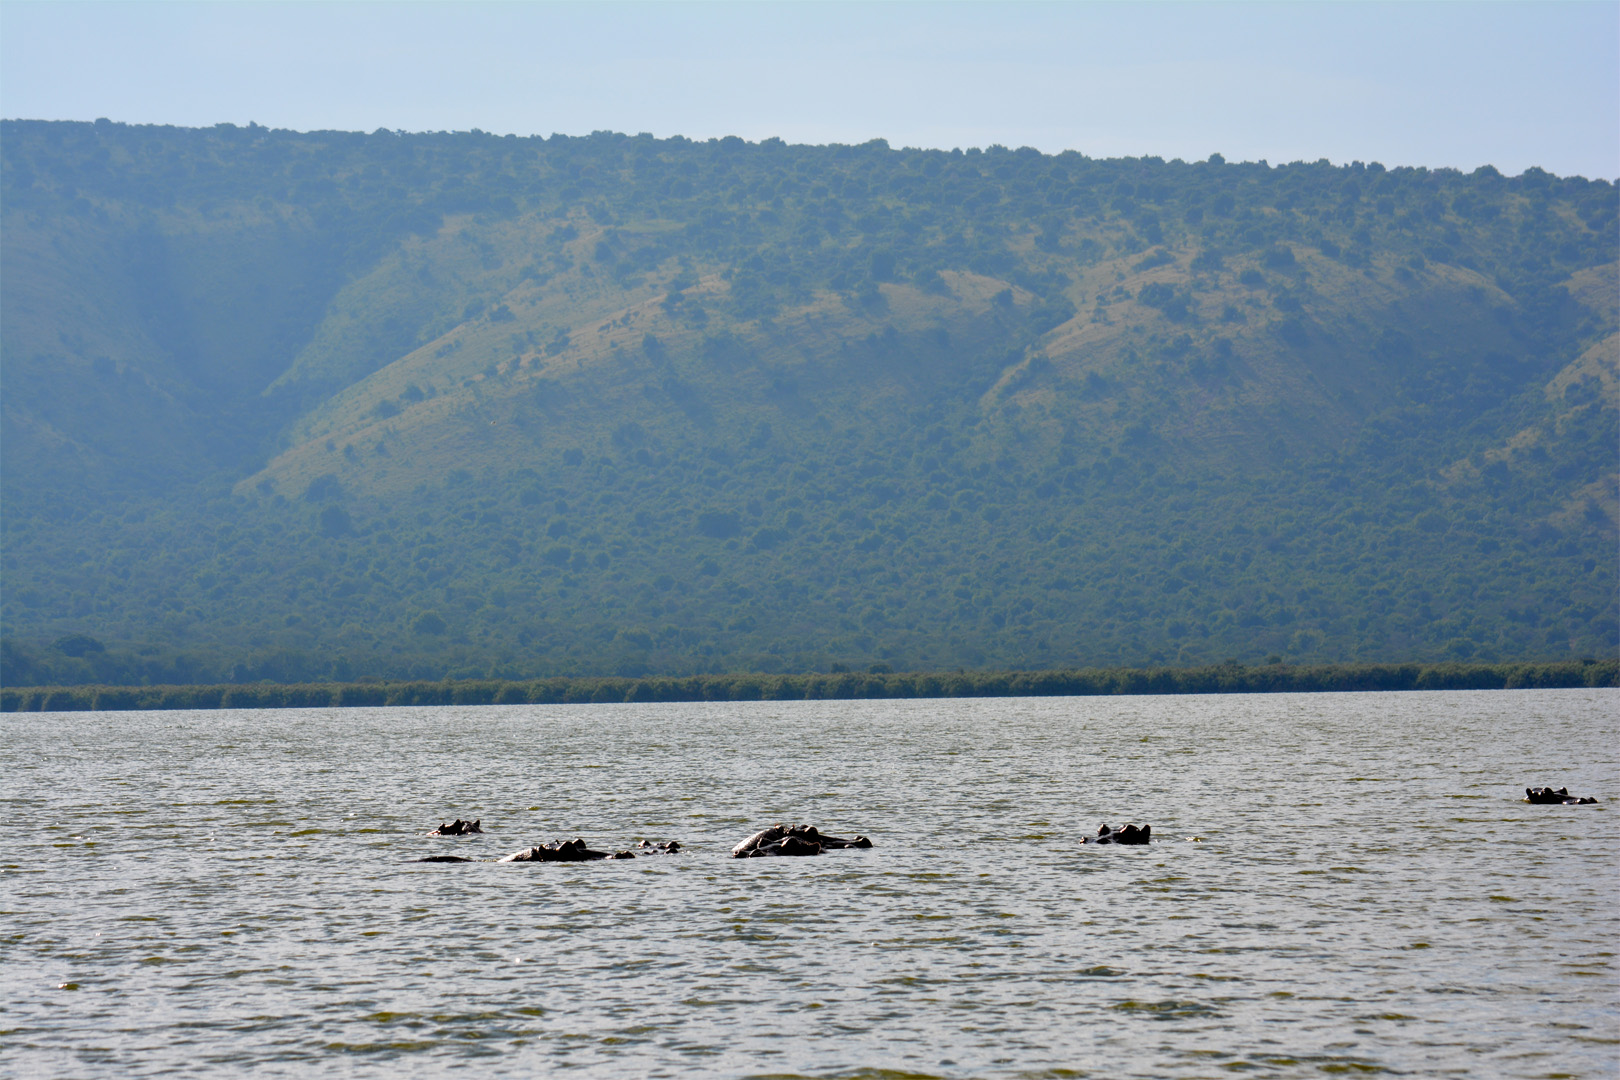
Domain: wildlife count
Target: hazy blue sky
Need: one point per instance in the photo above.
(1437, 84)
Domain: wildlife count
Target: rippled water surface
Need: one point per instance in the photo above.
(213, 892)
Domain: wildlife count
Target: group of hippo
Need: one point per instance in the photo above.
(776, 840)
(800, 840)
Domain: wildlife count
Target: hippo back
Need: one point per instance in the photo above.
(758, 840)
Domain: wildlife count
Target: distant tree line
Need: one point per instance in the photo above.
(1227, 678)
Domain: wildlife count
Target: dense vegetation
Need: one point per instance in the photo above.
(314, 406)
(1222, 679)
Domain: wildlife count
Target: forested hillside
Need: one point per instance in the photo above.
(301, 406)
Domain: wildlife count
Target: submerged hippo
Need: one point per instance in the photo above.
(793, 840)
(458, 828)
(1130, 834)
(669, 848)
(562, 851)
(1561, 796)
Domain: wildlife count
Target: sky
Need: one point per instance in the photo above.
(1452, 84)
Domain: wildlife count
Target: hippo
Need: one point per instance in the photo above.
(562, 851)
(446, 858)
(1130, 834)
(458, 828)
(669, 848)
(1559, 797)
(793, 840)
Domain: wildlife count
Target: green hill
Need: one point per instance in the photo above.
(298, 406)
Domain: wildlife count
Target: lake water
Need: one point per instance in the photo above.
(197, 893)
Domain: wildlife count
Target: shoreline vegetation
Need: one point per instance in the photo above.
(1228, 678)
